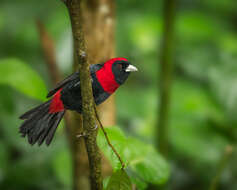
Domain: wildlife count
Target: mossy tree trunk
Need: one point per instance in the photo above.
(81, 13)
(97, 19)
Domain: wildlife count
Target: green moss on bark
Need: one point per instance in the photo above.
(89, 121)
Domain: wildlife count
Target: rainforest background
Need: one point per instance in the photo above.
(202, 120)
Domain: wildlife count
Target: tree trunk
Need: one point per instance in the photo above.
(98, 26)
(89, 133)
(166, 75)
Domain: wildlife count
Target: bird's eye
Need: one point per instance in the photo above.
(120, 66)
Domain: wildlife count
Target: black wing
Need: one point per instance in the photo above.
(95, 67)
(72, 77)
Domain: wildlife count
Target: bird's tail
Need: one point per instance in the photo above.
(40, 123)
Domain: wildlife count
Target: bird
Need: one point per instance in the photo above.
(41, 122)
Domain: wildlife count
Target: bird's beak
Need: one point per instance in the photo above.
(131, 68)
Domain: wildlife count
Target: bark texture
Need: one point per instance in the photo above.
(98, 25)
(94, 157)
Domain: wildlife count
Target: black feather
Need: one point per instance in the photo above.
(73, 77)
(53, 128)
(35, 131)
(40, 124)
(44, 133)
(29, 113)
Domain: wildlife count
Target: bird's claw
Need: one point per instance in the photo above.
(83, 134)
(96, 126)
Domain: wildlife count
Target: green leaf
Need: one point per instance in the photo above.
(20, 76)
(119, 181)
(144, 163)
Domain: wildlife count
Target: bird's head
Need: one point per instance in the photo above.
(121, 69)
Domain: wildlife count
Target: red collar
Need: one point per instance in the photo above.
(106, 77)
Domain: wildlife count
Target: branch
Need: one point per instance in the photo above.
(86, 93)
(223, 162)
(49, 53)
(107, 139)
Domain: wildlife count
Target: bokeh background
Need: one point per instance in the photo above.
(202, 121)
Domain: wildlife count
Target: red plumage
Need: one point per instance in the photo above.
(56, 104)
(106, 77)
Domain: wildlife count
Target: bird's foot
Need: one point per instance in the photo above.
(83, 134)
(96, 126)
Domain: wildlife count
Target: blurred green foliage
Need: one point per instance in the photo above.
(203, 105)
(144, 164)
(19, 76)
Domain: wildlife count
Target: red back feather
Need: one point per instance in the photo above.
(56, 104)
